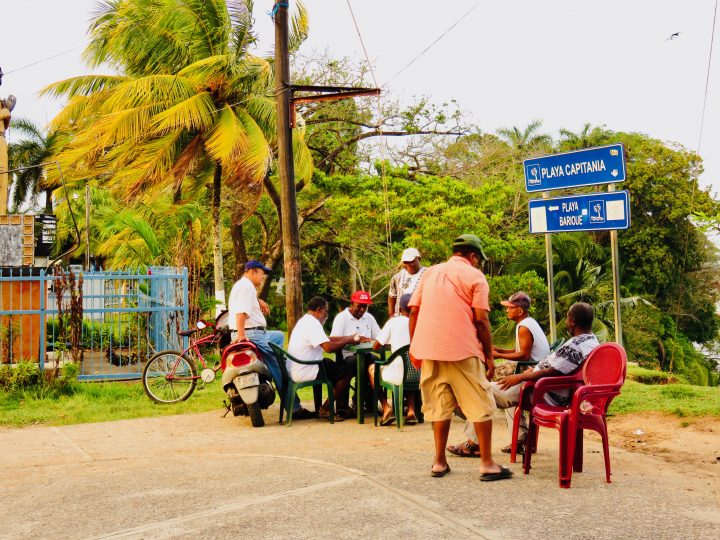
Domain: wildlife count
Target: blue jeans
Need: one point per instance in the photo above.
(262, 339)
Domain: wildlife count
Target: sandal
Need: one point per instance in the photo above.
(325, 414)
(439, 474)
(411, 421)
(503, 474)
(466, 449)
(388, 421)
(520, 448)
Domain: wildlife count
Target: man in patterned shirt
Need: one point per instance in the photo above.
(405, 281)
(566, 360)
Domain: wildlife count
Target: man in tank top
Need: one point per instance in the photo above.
(530, 344)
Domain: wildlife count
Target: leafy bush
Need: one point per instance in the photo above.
(26, 379)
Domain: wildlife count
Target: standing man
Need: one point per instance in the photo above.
(530, 344)
(406, 280)
(354, 321)
(450, 334)
(247, 322)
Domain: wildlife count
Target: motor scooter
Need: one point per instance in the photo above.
(246, 380)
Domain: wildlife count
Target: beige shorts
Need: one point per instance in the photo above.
(445, 385)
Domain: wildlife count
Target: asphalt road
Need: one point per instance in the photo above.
(202, 476)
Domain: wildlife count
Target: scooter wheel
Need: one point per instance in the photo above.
(256, 416)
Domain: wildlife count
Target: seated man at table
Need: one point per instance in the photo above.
(396, 332)
(566, 360)
(308, 341)
(353, 320)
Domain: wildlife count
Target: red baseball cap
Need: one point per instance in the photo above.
(361, 297)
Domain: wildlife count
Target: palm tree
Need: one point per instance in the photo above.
(31, 155)
(191, 102)
(587, 137)
(528, 139)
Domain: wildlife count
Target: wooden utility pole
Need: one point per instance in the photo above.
(288, 203)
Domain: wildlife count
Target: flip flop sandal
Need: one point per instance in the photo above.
(388, 421)
(503, 474)
(439, 474)
(465, 450)
(411, 421)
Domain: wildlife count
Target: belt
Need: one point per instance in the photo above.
(256, 328)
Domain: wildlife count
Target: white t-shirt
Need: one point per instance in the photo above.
(345, 324)
(396, 332)
(244, 299)
(305, 344)
(541, 347)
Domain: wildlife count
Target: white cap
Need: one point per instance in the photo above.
(409, 255)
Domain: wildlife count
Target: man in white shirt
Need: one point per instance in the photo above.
(406, 280)
(355, 319)
(308, 341)
(247, 321)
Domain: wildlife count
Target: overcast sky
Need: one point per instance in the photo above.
(565, 62)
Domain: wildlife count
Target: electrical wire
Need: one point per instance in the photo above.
(426, 49)
(42, 60)
(384, 147)
(694, 185)
(707, 77)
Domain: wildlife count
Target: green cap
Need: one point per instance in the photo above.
(470, 240)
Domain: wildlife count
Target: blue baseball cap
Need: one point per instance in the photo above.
(251, 265)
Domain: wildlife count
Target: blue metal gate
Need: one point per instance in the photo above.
(109, 322)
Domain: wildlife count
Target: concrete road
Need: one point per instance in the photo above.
(200, 476)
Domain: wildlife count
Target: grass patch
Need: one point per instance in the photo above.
(104, 402)
(678, 399)
(651, 376)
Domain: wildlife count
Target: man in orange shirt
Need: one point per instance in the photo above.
(450, 334)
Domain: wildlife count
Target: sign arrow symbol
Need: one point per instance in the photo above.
(614, 173)
(553, 208)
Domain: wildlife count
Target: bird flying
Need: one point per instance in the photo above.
(673, 36)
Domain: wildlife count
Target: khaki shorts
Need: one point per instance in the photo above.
(445, 385)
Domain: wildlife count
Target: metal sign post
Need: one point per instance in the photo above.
(551, 282)
(616, 278)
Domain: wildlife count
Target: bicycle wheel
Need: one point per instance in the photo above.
(169, 377)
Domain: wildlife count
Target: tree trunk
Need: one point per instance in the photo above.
(240, 250)
(217, 243)
(48, 201)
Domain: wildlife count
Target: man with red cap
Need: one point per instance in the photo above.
(354, 321)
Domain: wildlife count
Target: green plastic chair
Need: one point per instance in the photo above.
(290, 386)
(521, 365)
(411, 382)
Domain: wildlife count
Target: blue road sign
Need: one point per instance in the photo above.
(588, 167)
(591, 212)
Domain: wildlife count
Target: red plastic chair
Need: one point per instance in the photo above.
(525, 405)
(603, 374)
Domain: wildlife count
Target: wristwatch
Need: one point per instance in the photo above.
(356, 338)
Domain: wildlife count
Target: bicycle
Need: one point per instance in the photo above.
(171, 376)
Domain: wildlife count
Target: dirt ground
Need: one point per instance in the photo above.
(203, 476)
(689, 445)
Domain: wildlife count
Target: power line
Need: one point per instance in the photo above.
(386, 202)
(707, 78)
(44, 59)
(426, 49)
